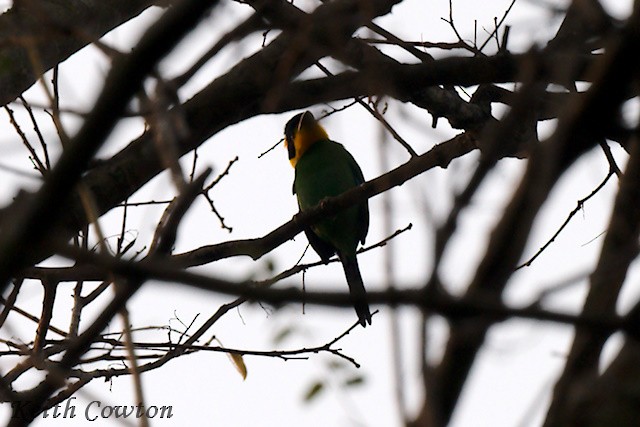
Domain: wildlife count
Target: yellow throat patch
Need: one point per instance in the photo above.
(301, 133)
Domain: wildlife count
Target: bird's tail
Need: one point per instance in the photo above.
(356, 287)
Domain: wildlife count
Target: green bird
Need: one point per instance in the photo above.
(324, 168)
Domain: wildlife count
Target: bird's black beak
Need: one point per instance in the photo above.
(292, 127)
(306, 119)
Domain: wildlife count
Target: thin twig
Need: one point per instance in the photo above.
(36, 128)
(375, 113)
(205, 193)
(133, 364)
(579, 206)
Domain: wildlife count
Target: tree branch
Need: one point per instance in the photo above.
(51, 32)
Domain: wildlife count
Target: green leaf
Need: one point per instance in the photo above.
(313, 391)
(354, 381)
(282, 335)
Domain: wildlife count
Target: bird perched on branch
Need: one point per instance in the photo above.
(324, 168)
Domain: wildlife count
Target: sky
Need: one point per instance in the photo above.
(512, 378)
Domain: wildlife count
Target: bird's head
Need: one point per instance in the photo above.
(300, 133)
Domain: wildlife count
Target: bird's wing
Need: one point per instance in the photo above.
(363, 211)
(322, 248)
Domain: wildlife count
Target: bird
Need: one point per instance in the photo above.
(324, 168)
